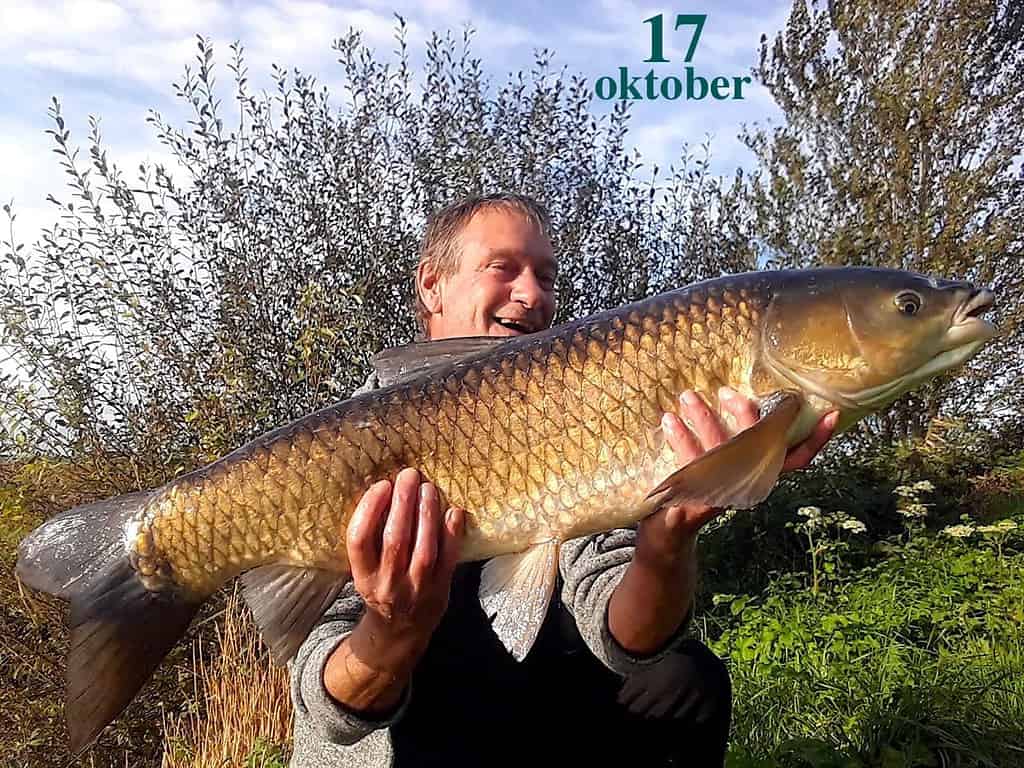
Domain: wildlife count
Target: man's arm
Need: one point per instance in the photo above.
(352, 675)
(402, 556)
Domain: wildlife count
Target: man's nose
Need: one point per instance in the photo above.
(527, 290)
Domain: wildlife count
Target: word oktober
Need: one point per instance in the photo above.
(650, 86)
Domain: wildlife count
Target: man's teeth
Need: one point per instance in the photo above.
(512, 324)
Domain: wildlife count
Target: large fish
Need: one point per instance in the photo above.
(541, 438)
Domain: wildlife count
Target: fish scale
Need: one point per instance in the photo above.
(541, 438)
(589, 399)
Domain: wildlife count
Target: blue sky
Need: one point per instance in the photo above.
(117, 58)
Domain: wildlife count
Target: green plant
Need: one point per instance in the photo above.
(826, 546)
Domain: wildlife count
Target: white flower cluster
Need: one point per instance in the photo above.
(913, 511)
(912, 491)
(963, 531)
(853, 525)
(1003, 526)
(815, 519)
(813, 515)
(967, 529)
(911, 507)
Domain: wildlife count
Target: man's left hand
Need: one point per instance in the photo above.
(699, 430)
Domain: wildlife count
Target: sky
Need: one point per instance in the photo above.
(116, 59)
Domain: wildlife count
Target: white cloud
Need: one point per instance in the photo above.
(32, 21)
(182, 16)
(152, 64)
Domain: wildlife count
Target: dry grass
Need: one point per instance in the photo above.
(244, 712)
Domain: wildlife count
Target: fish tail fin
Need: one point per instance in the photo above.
(72, 547)
(120, 630)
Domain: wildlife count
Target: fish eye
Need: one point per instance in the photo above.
(908, 303)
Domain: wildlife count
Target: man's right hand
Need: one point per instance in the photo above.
(402, 554)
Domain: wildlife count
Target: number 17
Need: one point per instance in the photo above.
(658, 34)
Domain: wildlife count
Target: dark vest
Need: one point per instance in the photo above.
(473, 704)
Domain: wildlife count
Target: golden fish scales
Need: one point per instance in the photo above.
(553, 439)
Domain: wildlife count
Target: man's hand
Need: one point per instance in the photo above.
(699, 431)
(402, 555)
(657, 589)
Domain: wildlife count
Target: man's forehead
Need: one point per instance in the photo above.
(491, 233)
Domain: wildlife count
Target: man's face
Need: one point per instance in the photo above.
(505, 282)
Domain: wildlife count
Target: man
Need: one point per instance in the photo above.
(404, 669)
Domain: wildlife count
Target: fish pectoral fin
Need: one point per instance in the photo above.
(740, 472)
(515, 591)
(398, 364)
(286, 601)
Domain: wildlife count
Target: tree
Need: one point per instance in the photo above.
(901, 141)
(164, 323)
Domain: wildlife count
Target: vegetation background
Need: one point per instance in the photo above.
(158, 324)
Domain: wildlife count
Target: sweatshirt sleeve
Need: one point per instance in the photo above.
(592, 567)
(313, 704)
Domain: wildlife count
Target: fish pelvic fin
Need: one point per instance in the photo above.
(515, 591)
(120, 632)
(286, 601)
(740, 472)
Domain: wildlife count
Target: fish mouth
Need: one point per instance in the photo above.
(968, 324)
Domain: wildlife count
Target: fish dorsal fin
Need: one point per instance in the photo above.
(515, 591)
(287, 601)
(397, 364)
(740, 472)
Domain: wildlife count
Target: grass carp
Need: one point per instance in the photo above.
(541, 438)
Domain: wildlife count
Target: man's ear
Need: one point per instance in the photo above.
(428, 286)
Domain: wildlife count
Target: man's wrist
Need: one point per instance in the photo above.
(665, 555)
(370, 669)
(387, 648)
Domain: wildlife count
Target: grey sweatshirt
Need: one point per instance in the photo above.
(328, 735)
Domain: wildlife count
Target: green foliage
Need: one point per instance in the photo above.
(824, 534)
(167, 319)
(265, 755)
(909, 654)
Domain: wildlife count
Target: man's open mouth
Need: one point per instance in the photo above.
(516, 325)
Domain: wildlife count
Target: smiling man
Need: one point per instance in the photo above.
(405, 670)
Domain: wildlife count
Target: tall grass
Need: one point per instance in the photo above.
(242, 714)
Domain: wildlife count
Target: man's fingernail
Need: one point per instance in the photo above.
(690, 397)
(725, 393)
(832, 419)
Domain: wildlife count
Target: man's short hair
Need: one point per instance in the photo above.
(440, 248)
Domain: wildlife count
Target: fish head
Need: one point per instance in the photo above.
(861, 337)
